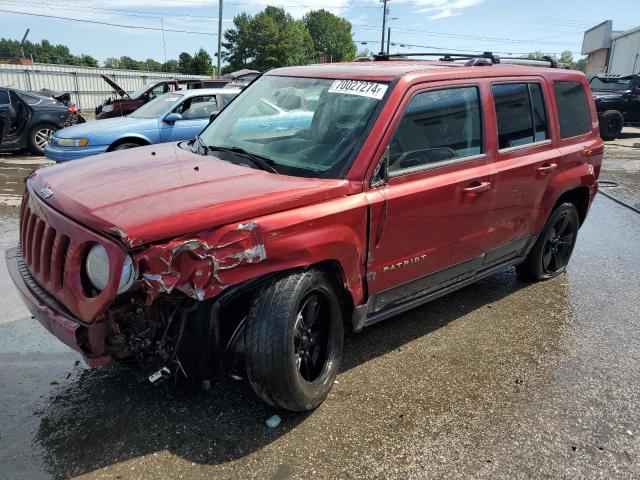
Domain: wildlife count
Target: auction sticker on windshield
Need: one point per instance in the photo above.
(359, 87)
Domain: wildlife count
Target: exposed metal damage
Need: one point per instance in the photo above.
(200, 266)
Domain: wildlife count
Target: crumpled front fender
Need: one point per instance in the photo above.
(200, 265)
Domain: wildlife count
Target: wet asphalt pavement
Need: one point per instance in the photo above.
(503, 379)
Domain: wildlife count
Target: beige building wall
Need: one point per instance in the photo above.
(597, 62)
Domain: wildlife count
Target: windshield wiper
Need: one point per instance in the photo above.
(262, 162)
(200, 144)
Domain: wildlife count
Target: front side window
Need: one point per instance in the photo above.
(573, 109)
(197, 108)
(307, 127)
(520, 113)
(4, 97)
(437, 126)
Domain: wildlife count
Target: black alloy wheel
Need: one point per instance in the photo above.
(311, 336)
(552, 251)
(561, 238)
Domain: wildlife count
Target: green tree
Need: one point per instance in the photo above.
(184, 63)
(331, 36)
(201, 63)
(236, 43)
(171, 66)
(152, 65)
(270, 39)
(87, 60)
(112, 62)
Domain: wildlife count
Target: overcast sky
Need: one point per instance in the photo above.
(469, 25)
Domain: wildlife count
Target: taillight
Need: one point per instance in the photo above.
(72, 109)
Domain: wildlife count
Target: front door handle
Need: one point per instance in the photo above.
(547, 168)
(477, 187)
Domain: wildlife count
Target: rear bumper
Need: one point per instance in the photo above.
(63, 154)
(52, 316)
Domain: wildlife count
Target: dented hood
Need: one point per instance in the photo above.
(162, 191)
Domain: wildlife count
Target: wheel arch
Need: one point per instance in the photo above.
(129, 139)
(578, 196)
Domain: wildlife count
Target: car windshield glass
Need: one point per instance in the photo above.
(226, 98)
(156, 106)
(305, 126)
(141, 90)
(616, 84)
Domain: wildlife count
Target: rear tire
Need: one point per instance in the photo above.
(553, 248)
(39, 137)
(294, 339)
(611, 123)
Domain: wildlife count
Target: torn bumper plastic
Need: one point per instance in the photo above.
(47, 311)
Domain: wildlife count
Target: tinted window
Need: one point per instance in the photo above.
(438, 125)
(4, 97)
(573, 109)
(539, 112)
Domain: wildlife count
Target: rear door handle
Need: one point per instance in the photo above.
(477, 187)
(547, 168)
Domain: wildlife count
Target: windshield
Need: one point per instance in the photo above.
(141, 90)
(156, 106)
(302, 126)
(615, 84)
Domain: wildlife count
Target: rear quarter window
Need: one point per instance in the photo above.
(573, 109)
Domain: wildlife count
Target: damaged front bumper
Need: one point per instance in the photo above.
(85, 339)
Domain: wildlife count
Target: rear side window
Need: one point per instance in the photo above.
(521, 114)
(573, 109)
(437, 126)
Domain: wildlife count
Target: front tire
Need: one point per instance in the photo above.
(125, 146)
(611, 123)
(39, 137)
(294, 339)
(553, 248)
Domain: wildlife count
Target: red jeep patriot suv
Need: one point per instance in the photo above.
(323, 198)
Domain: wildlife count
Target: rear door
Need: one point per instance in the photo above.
(429, 223)
(526, 159)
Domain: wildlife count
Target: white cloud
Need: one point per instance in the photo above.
(436, 9)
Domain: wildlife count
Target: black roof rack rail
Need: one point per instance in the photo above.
(475, 59)
(444, 56)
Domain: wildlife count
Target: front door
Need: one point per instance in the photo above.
(195, 112)
(429, 223)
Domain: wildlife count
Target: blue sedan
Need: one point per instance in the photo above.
(171, 117)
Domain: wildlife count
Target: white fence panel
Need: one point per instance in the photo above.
(87, 89)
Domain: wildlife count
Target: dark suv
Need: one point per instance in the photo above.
(28, 119)
(617, 101)
(250, 250)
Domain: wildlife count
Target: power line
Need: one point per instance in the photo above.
(96, 22)
(118, 11)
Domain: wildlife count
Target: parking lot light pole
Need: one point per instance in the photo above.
(219, 36)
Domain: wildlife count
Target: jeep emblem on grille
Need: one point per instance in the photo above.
(46, 192)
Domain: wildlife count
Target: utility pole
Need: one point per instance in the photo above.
(164, 44)
(219, 36)
(388, 39)
(384, 22)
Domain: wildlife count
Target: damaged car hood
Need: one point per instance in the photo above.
(162, 191)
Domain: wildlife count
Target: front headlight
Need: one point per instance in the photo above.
(72, 142)
(97, 266)
(107, 108)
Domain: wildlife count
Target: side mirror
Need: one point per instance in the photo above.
(172, 118)
(213, 116)
(380, 175)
